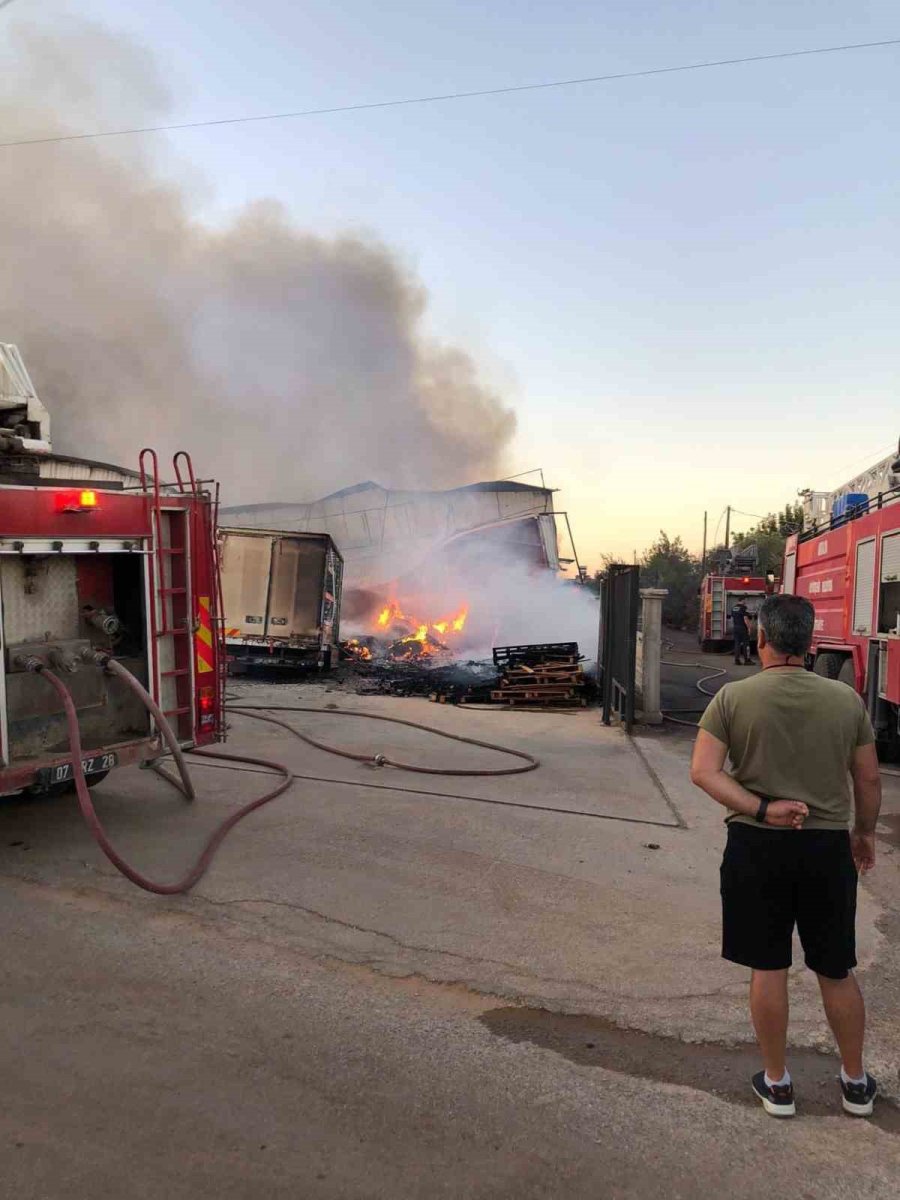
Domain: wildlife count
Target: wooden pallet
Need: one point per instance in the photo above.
(547, 668)
(538, 693)
(541, 681)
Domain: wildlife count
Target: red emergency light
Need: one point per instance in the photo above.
(746, 579)
(207, 700)
(81, 501)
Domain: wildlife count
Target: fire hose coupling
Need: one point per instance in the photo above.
(378, 760)
(28, 662)
(107, 623)
(98, 658)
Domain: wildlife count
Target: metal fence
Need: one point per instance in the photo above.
(619, 609)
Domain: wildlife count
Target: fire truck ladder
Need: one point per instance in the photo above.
(172, 623)
(718, 615)
(187, 485)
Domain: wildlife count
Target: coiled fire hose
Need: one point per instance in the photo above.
(184, 784)
(381, 760)
(716, 673)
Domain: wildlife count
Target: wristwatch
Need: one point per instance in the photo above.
(761, 811)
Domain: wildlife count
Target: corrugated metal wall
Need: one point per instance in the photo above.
(383, 534)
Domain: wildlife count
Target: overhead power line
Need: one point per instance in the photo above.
(445, 96)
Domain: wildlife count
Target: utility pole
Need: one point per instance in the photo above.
(703, 560)
(728, 528)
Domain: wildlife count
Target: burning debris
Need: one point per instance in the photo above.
(417, 638)
(356, 648)
(420, 642)
(400, 637)
(542, 675)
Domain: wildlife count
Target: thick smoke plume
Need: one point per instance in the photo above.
(289, 364)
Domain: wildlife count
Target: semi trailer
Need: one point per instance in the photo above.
(282, 599)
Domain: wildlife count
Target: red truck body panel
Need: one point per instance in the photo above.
(851, 575)
(71, 553)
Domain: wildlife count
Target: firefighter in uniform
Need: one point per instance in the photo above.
(740, 623)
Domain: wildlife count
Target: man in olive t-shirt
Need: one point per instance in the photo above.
(794, 739)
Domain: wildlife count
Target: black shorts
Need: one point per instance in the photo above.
(774, 878)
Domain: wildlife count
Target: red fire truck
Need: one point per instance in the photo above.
(847, 563)
(99, 564)
(718, 595)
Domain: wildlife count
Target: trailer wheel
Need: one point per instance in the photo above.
(829, 665)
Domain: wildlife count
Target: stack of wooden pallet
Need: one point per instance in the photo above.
(547, 674)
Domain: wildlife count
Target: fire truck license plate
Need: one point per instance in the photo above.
(65, 771)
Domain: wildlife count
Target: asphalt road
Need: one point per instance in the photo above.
(684, 666)
(394, 987)
(150, 1055)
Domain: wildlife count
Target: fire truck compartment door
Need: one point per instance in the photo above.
(864, 588)
(245, 562)
(295, 597)
(890, 557)
(790, 573)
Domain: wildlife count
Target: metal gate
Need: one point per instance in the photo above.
(618, 642)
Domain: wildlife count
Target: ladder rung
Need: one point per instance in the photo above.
(173, 632)
(171, 549)
(175, 712)
(179, 671)
(171, 591)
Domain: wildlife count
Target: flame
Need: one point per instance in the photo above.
(419, 637)
(390, 613)
(357, 650)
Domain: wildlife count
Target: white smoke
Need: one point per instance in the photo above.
(289, 364)
(509, 600)
(517, 607)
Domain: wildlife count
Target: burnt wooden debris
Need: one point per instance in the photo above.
(546, 675)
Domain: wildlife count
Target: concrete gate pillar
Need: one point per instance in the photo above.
(649, 653)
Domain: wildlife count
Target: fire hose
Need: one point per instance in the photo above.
(715, 674)
(381, 760)
(184, 784)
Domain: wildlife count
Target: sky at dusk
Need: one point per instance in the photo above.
(686, 285)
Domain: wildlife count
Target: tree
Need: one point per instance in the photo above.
(669, 564)
(593, 582)
(769, 536)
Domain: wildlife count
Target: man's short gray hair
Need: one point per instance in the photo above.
(788, 623)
